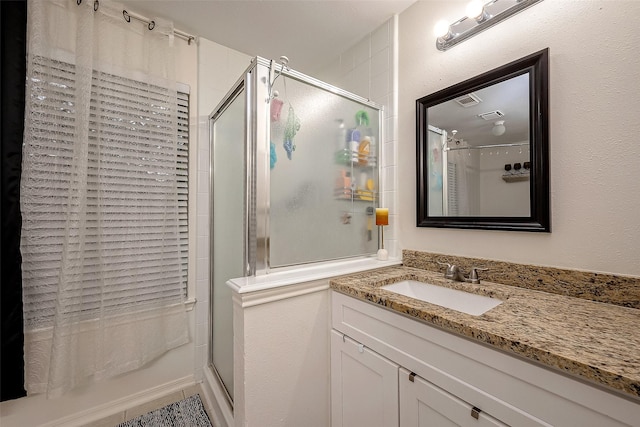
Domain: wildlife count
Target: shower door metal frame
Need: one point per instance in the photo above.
(256, 194)
(256, 81)
(240, 88)
(263, 78)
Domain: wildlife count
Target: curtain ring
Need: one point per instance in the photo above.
(96, 5)
(152, 25)
(125, 14)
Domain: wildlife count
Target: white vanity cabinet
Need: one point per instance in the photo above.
(370, 390)
(455, 379)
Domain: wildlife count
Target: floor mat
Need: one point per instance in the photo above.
(188, 412)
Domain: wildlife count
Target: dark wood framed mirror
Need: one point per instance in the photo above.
(483, 150)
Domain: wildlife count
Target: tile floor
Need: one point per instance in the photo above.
(131, 413)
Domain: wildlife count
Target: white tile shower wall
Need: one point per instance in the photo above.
(369, 69)
(218, 69)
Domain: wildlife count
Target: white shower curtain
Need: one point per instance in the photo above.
(104, 282)
(463, 170)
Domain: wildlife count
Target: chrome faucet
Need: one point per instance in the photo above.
(473, 275)
(454, 272)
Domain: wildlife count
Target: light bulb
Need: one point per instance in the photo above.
(498, 128)
(475, 9)
(441, 29)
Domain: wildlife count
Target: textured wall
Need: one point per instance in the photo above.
(285, 378)
(594, 127)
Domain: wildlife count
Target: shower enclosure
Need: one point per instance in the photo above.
(294, 179)
(453, 177)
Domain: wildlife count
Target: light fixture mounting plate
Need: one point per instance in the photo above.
(495, 10)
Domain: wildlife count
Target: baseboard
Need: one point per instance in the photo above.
(101, 411)
(216, 399)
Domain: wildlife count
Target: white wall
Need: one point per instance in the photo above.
(282, 375)
(594, 127)
(500, 197)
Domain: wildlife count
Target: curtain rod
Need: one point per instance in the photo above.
(150, 23)
(477, 147)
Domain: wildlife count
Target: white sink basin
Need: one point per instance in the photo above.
(446, 297)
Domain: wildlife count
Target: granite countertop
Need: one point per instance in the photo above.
(595, 341)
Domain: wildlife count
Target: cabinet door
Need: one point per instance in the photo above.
(423, 404)
(364, 386)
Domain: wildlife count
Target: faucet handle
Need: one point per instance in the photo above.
(473, 276)
(449, 273)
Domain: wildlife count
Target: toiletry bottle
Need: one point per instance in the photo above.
(347, 184)
(372, 152)
(365, 140)
(363, 150)
(362, 183)
(354, 136)
(343, 184)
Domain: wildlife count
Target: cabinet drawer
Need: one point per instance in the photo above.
(423, 404)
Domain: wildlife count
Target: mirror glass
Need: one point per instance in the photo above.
(483, 150)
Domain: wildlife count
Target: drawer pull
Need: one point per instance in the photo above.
(412, 377)
(475, 412)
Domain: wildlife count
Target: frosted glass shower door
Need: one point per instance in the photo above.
(324, 183)
(228, 228)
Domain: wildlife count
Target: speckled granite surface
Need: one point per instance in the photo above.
(607, 288)
(595, 341)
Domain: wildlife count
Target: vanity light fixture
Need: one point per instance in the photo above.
(442, 30)
(475, 10)
(481, 14)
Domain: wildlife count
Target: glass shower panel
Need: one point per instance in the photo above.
(228, 247)
(324, 180)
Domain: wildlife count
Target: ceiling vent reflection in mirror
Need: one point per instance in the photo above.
(468, 100)
(491, 115)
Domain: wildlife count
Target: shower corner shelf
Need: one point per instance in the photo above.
(347, 193)
(345, 157)
(516, 177)
(351, 163)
